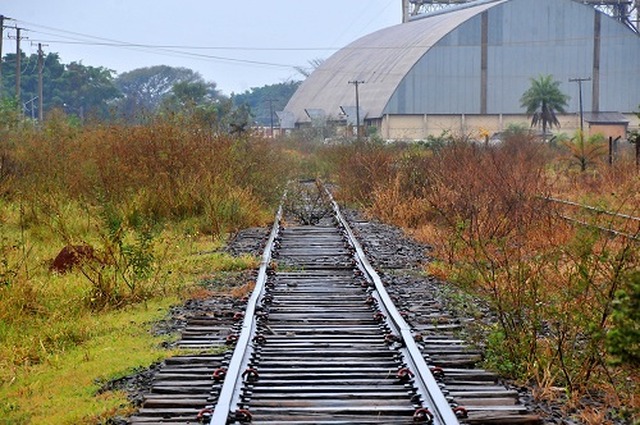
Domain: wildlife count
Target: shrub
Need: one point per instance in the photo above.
(623, 340)
(129, 193)
(551, 284)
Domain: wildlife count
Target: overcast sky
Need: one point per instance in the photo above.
(238, 44)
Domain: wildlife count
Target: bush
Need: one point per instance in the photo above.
(623, 340)
(137, 196)
(551, 284)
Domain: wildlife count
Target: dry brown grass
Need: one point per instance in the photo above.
(165, 169)
(140, 196)
(551, 284)
(244, 290)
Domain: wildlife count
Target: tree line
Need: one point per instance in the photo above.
(98, 92)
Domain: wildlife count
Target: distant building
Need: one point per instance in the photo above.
(608, 124)
(465, 69)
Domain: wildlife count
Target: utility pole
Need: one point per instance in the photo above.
(271, 116)
(580, 81)
(405, 11)
(40, 85)
(357, 83)
(2, 18)
(18, 68)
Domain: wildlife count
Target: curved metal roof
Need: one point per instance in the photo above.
(381, 60)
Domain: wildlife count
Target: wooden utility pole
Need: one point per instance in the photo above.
(580, 81)
(40, 85)
(18, 68)
(357, 83)
(2, 19)
(271, 116)
(1, 37)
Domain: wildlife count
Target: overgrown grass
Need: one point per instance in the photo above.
(51, 330)
(557, 289)
(154, 203)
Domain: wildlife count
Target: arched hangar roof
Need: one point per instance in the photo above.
(381, 60)
(478, 58)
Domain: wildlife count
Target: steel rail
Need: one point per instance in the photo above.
(230, 391)
(600, 228)
(425, 382)
(596, 210)
(591, 208)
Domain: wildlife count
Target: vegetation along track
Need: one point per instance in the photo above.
(321, 342)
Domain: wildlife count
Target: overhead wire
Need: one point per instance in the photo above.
(195, 51)
(533, 43)
(86, 39)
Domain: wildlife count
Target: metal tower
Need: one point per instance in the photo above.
(413, 8)
(626, 11)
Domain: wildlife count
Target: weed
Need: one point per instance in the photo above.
(153, 202)
(505, 361)
(551, 285)
(585, 151)
(623, 340)
(306, 203)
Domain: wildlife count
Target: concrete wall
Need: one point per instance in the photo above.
(607, 130)
(419, 127)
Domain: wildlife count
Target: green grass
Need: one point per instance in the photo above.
(55, 349)
(62, 389)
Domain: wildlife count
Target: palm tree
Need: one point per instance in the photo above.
(542, 100)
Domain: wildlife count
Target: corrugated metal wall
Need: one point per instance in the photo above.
(619, 69)
(526, 38)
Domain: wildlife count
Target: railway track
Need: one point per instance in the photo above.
(321, 342)
(609, 222)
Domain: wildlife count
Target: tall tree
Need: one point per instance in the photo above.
(88, 89)
(542, 100)
(77, 88)
(189, 94)
(145, 89)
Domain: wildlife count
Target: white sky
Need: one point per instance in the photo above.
(275, 35)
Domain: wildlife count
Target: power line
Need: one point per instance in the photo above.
(186, 47)
(524, 42)
(136, 46)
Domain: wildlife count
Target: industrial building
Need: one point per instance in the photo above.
(464, 68)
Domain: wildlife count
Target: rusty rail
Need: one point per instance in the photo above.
(597, 210)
